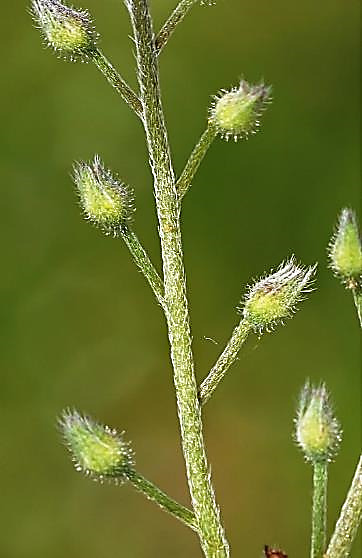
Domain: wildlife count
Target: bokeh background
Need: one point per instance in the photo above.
(79, 327)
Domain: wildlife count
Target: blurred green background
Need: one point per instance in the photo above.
(79, 326)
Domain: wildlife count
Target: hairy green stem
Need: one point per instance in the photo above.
(143, 262)
(169, 27)
(117, 82)
(349, 520)
(196, 157)
(357, 297)
(210, 530)
(319, 509)
(152, 492)
(225, 360)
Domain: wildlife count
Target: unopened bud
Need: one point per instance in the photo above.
(274, 298)
(318, 432)
(236, 113)
(345, 249)
(68, 31)
(97, 450)
(105, 201)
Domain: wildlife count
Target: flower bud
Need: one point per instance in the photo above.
(68, 31)
(97, 450)
(273, 298)
(236, 113)
(345, 249)
(105, 201)
(318, 432)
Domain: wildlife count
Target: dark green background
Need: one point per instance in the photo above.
(79, 326)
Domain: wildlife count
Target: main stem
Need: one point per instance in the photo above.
(319, 509)
(212, 539)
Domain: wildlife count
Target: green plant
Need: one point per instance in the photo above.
(98, 450)
(345, 255)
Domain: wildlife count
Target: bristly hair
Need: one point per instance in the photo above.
(97, 450)
(274, 297)
(236, 113)
(68, 31)
(106, 201)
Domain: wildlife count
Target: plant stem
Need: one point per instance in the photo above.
(169, 27)
(319, 508)
(225, 360)
(117, 82)
(196, 157)
(143, 262)
(152, 492)
(357, 297)
(210, 530)
(349, 520)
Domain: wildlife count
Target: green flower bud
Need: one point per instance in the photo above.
(97, 450)
(345, 249)
(68, 31)
(318, 432)
(236, 113)
(273, 298)
(105, 201)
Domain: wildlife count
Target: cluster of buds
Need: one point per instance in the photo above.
(318, 432)
(345, 250)
(97, 450)
(235, 114)
(273, 299)
(68, 31)
(106, 202)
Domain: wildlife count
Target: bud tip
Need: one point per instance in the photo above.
(97, 450)
(68, 31)
(273, 298)
(318, 432)
(105, 201)
(345, 250)
(236, 113)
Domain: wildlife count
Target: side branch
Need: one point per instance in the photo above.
(349, 520)
(117, 82)
(195, 160)
(169, 27)
(144, 263)
(153, 493)
(357, 297)
(225, 360)
(319, 509)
